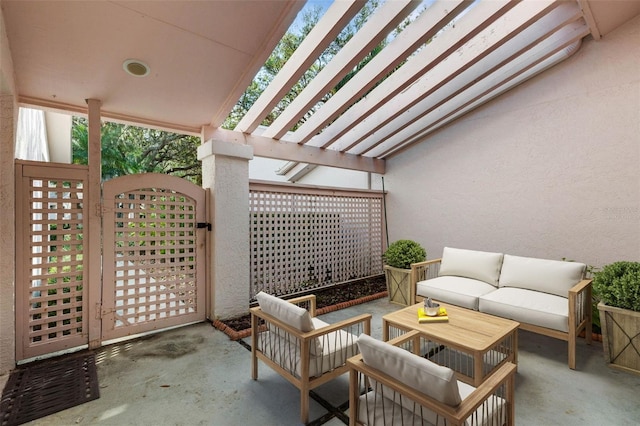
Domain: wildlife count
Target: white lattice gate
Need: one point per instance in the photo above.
(153, 254)
(51, 291)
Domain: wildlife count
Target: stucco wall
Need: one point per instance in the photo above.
(549, 169)
(8, 118)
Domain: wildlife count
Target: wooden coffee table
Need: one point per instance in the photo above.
(471, 343)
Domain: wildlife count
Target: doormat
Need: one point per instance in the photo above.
(45, 387)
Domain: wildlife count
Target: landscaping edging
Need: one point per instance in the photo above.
(237, 335)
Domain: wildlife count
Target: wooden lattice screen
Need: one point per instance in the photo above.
(52, 291)
(305, 238)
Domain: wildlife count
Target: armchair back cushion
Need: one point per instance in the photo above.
(548, 276)
(290, 314)
(479, 265)
(419, 373)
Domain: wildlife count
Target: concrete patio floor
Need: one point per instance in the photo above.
(195, 375)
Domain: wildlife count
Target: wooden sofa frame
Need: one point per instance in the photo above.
(580, 313)
(503, 379)
(262, 322)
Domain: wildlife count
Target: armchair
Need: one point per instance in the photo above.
(305, 350)
(389, 385)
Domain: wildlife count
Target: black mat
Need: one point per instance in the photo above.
(45, 387)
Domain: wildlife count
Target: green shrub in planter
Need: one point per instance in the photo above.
(618, 285)
(402, 253)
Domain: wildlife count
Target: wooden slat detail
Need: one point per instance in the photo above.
(54, 266)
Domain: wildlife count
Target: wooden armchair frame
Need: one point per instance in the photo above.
(301, 343)
(501, 383)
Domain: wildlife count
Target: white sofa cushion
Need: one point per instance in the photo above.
(454, 290)
(528, 306)
(549, 276)
(419, 373)
(290, 314)
(479, 265)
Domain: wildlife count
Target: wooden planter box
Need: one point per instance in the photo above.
(620, 337)
(399, 285)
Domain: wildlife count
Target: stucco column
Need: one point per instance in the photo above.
(8, 111)
(225, 171)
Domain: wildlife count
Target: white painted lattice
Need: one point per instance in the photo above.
(53, 255)
(303, 239)
(155, 256)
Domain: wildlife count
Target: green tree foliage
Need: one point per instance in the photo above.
(129, 149)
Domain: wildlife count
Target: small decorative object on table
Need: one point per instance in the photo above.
(432, 312)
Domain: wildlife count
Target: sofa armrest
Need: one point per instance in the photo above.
(423, 270)
(580, 311)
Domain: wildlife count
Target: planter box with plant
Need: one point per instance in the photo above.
(398, 259)
(617, 286)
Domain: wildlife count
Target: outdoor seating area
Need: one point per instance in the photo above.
(227, 159)
(197, 375)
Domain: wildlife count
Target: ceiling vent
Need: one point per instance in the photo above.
(136, 68)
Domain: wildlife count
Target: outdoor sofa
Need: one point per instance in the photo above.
(549, 297)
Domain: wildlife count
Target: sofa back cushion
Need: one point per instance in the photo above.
(548, 276)
(290, 314)
(479, 265)
(419, 373)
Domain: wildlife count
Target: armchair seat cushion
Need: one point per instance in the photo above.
(284, 350)
(455, 290)
(528, 306)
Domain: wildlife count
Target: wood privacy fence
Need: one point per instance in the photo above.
(305, 238)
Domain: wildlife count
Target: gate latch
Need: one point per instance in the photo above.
(201, 225)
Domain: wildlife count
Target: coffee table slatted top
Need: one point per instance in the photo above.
(477, 330)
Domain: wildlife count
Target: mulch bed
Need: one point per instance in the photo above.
(327, 300)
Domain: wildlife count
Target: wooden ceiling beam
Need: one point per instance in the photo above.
(384, 20)
(288, 151)
(326, 30)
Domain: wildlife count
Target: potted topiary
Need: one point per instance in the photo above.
(398, 259)
(617, 286)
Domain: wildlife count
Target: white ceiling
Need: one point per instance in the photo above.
(203, 54)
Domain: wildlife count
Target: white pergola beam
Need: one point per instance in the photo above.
(480, 16)
(385, 19)
(504, 29)
(514, 73)
(326, 30)
(464, 82)
(419, 32)
(287, 151)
